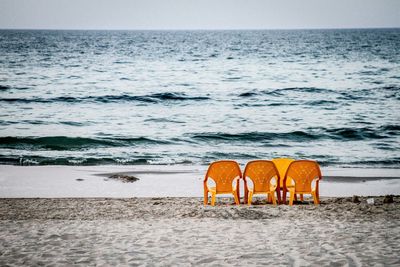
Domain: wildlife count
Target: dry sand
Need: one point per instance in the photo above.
(181, 231)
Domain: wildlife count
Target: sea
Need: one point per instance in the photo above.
(193, 97)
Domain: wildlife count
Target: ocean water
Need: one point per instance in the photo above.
(173, 97)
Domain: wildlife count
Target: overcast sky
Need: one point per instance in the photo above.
(198, 14)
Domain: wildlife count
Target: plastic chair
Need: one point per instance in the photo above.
(282, 165)
(224, 173)
(303, 173)
(261, 173)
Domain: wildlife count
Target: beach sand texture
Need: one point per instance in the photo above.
(181, 231)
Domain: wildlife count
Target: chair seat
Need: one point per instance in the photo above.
(288, 186)
(293, 192)
(213, 190)
(271, 189)
(313, 190)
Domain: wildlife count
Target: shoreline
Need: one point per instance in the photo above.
(166, 181)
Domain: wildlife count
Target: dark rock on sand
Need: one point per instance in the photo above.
(388, 199)
(355, 199)
(124, 178)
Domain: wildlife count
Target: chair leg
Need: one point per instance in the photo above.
(250, 198)
(314, 194)
(292, 196)
(284, 196)
(205, 197)
(278, 194)
(238, 192)
(273, 197)
(246, 192)
(269, 198)
(213, 199)
(235, 196)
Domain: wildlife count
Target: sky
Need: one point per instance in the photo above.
(198, 14)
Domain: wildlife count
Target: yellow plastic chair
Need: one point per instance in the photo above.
(302, 173)
(282, 165)
(224, 173)
(261, 173)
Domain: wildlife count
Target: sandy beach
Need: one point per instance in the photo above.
(85, 215)
(181, 231)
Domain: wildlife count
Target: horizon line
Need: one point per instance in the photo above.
(201, 29)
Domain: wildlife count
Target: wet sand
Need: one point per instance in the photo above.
(181, 231)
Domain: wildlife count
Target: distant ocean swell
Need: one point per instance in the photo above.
(244, 141)
(311, 134)
(72, 143)
(153, 98)
(168, 97)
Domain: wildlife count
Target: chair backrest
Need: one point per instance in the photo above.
(282, 164)
(261, 173)
(303, 172)
(223, 172)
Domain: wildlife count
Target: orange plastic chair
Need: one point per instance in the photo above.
(302, 173)
(261, 173)
(223, 173)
